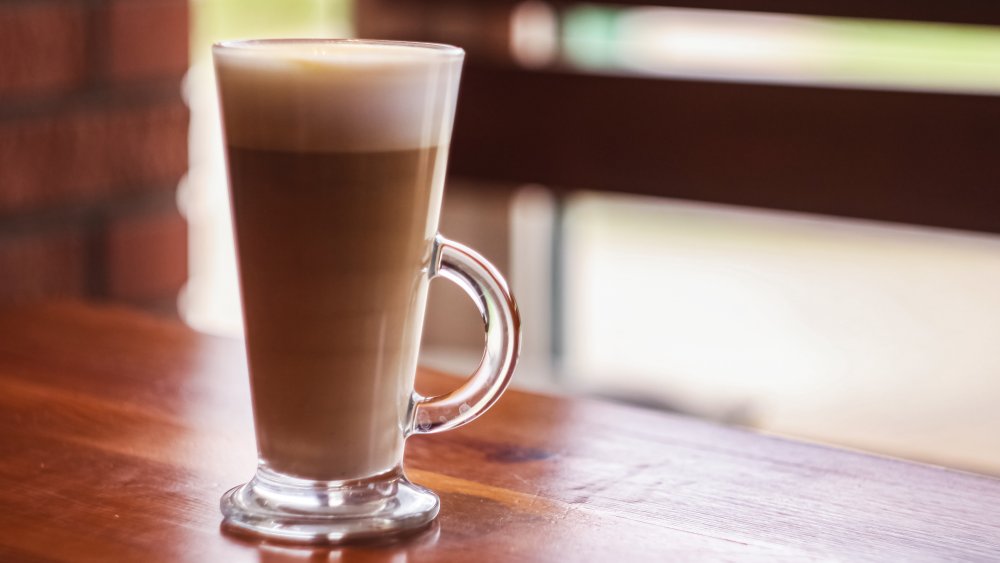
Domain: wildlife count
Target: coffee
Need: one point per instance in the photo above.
(336, 175)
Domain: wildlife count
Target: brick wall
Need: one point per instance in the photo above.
(93, 142)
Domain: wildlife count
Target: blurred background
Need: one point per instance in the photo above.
(784, 218)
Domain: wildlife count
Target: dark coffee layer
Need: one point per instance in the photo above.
(333, 252)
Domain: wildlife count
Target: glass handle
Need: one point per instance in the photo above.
(487, 288)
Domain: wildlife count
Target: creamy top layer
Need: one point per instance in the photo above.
(343, 96)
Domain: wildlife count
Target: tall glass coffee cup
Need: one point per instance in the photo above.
(336, 152)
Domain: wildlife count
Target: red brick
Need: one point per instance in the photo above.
(36, 266)
(146, 256)
(43, 47)
(86, 156)
(147, 38)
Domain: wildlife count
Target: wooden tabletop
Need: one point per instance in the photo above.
(119, 432)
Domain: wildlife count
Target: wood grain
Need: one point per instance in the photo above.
(119, 432)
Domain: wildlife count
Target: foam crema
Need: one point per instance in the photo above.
(337, 95)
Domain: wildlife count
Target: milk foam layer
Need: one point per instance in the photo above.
(337, 96)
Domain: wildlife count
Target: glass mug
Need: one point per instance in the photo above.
(336, 153)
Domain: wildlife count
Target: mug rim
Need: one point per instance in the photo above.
(261, 45)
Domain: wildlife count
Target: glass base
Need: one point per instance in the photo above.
(277, 507)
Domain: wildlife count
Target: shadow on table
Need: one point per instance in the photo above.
(395, 550)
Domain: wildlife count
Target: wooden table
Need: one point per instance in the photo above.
(121, 431)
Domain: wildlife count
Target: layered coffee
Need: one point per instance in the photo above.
(336, 173)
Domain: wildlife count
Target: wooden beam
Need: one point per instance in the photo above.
(981, 12)
(920, 158)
